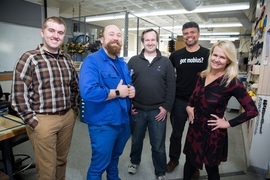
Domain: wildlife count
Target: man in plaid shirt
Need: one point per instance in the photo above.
(45, 95)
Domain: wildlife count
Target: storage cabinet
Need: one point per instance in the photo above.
(253, 81)
(81, 110)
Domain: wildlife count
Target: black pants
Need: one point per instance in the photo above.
(189, 169)
(178, 120)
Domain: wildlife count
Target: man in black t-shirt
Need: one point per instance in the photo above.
(187, 61)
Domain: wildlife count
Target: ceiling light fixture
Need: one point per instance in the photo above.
(212, 25)
(218, 38)
(209, 34)
(233, 24)
(106, 17)
(200, 9)
(212, 39)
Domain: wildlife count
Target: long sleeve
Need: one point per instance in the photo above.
(74, 88)
(20, 99)
(171, 87)
(240, 93)
(43, 83)
(195, 91)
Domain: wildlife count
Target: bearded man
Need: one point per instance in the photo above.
(106, 88)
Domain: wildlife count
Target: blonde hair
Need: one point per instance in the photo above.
(231, 69)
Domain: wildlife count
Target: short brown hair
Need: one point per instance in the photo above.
(54, 19)
(149, 30)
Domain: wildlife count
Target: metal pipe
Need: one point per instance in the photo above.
(126, 35)
(189, 5)
(240, 15)
(45, 8)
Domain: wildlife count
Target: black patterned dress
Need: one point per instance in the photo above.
(211, 147)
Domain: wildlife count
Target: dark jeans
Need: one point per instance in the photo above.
(157, 134)
(178, 120)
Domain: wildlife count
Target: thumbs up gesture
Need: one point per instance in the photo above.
(123, 89)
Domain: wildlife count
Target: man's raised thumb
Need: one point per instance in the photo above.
(120, 82)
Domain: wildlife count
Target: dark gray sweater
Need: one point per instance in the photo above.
(154, 82)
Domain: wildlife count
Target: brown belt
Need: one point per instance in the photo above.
(59, 113)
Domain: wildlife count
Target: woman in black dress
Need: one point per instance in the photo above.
(207, 138)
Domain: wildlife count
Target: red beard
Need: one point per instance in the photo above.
(113, 49)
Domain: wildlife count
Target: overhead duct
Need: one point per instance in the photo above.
(188, 5)
(240, 15)
(205, 18)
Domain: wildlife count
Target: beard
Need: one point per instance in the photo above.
(112, 48)
(191, 44)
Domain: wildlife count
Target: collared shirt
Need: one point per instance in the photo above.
(43, 84)
(98, 75)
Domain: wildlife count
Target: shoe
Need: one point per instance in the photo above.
(162, 177)
(171, 166)
(196, 174)
(132, 168)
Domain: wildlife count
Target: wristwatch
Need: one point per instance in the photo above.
(117, 92)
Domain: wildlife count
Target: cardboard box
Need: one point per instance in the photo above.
(179, 44)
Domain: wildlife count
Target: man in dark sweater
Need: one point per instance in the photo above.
(187, 61)
(154, 80)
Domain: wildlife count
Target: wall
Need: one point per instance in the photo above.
(20, 22)
(18, 37)
(20, 26)
(14, 41)
(132, 44)
(260, 147)
(258, 129)
(21, 13)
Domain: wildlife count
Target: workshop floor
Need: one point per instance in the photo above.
(80, 153)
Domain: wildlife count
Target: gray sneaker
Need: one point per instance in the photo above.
(132, 168)
(162, 177)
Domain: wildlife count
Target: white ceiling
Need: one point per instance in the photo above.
(80, 8)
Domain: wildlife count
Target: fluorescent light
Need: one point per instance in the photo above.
(106, 17)
(213, 39)
(165, 39)
(208, 34)
(221, 25)
(220, 34)
(218, 38)
(103, 18)
(233, 24)
(141, 28)
(200, 9)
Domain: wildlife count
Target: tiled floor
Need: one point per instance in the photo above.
(80, 153)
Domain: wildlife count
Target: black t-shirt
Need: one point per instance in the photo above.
(187, 65)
